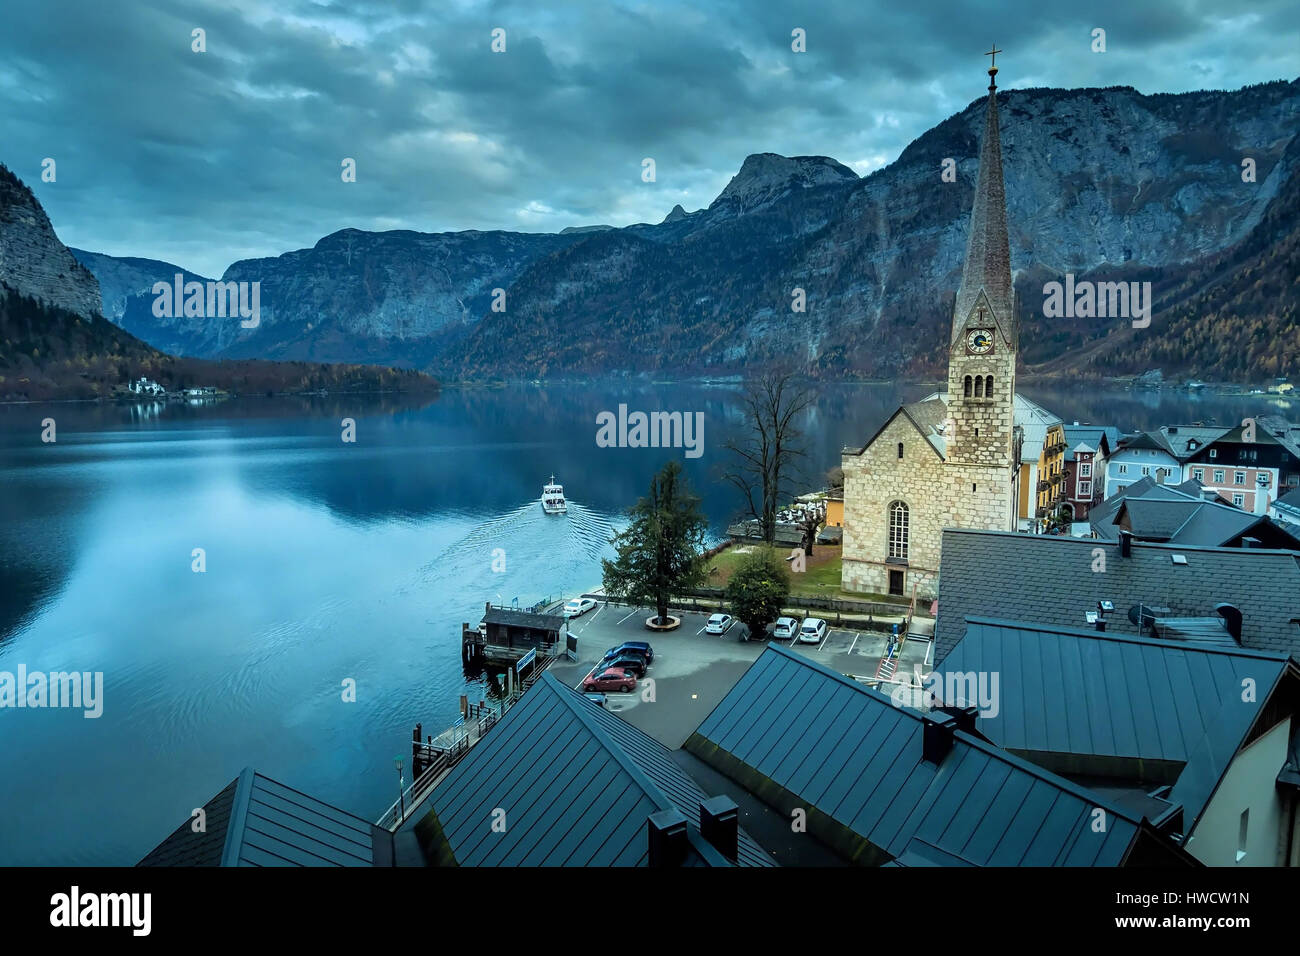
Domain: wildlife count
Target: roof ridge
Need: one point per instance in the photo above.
(983, 746)
(1121, 637)
(571, 699)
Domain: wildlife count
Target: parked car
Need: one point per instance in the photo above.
(785, 628)
(596, 698)
(579, 606)
(611, 678)
(636, 647)
(632, 663)
(718, 624)
(813, 631)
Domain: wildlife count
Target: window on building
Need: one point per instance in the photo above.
(1146, 470)
(898, 530)
(900, 449)
(1085, 490)
(1198, 474)
(979, 386)
(988, 386)
(1239, 500)
(1218, 476)
(966, 388)
(1123, 469)
(1238, 477)
(1214, 453)
(1085, 469)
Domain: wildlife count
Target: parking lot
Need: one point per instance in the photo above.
(692, 670)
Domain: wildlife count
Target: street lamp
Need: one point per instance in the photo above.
(401, 790)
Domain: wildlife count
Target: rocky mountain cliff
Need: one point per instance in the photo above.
(33, 261)
(1100, 182)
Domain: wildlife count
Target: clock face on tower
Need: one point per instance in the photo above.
(979, 341)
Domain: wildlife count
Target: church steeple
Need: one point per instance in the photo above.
(988, 252)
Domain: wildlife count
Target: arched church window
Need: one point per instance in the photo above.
(966, 388)
(898, 530)
(979, 386)
(900, 449)
(988, 386)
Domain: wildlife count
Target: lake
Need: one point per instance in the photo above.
(324, 561)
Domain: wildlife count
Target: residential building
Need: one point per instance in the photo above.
(1249, 465)
(1056, 580)
(938, 462)
(561, 781)
(883, 783)
(1162, 727)
(255, 821)
(1160, 455)
(1286, 511)
(1187, 514)
(1072, 464)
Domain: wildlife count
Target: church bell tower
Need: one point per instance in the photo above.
(985, 331)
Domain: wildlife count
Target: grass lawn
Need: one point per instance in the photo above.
(820, 579)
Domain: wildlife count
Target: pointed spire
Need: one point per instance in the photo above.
(988, 252)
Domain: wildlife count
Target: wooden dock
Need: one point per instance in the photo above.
(433, 758)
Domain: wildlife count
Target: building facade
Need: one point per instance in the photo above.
(952, 461)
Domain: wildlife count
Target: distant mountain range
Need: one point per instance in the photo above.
(1101, 183)
(54, 343)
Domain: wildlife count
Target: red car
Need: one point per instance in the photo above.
(611, 678)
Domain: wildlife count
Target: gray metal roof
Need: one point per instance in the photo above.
(1049, 579)
(802, 733)
(256, 821)
(576, 785)
(513, 618)
(1179, 514)
(1083, 693)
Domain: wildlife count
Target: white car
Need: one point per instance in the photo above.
(718, 624)
(813, 631)
(579, 606)
(785, 628)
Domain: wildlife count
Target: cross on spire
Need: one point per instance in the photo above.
(993, 68)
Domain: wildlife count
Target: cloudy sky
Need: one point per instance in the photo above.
(204, 158)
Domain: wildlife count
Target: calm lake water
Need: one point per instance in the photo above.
(325, 561)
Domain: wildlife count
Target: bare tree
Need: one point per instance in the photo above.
(766, 457)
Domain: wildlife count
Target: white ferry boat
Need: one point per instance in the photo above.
(553, 502)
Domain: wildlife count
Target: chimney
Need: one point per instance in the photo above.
(1126, 544)
(964, 716)
(720, 825)
(937, 740)
(1231, 615)
(666, 831)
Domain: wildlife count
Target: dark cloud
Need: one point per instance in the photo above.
(202, 159)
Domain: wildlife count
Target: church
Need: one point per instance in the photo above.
(951, 460)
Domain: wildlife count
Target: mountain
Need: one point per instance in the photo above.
(33, 261)
(48, 352)
(54, 342)
(1099, 182)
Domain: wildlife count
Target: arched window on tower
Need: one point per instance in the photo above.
(979, 386)
(898, 530)
(988, 386)
(966, 388)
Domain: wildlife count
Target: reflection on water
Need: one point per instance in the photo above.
(325, 561)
